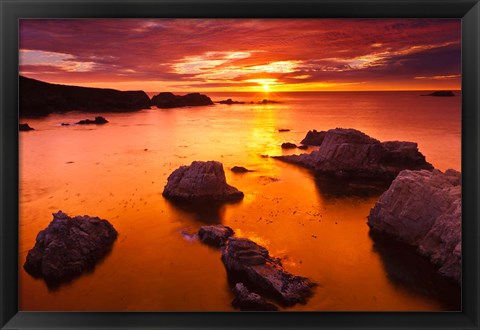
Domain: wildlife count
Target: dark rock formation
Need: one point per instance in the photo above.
(246, 300)
(230, 101)
(240, 169)
(440, 93)
(201, 181)
(423, 209)
(283, 130)
(68, 247)
(215, 235)
(249, 263)
(25, 127)
(302, 147)
(169, 100)
(37, 98)
(65, 124)
(348, 153)
(99, 120)
(314, 138)
(288, 145)
(265, 101)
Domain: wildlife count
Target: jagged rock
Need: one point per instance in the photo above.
(314, 138)
(288, 145)
(170, 100)
(440, 93)
(24, 127)
(68, 247)
(423, 209)
(38, 98)
(99, 120)
(215, 235)
(240, 169)
(201, 181)
(230, 101)
(349, 153)
(250, 263)
(246, 300)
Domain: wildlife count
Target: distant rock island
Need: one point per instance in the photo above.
(440, 93)
(169, 100)
(38, 98)
(99, 120)
(230, 101)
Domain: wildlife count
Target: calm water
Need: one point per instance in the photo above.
(117, 172)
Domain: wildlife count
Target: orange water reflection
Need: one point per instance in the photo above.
(117, 172)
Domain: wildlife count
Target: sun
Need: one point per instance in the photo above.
(266, 88)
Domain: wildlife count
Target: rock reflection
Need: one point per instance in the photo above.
(407, 269)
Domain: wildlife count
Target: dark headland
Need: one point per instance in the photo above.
(38, 98)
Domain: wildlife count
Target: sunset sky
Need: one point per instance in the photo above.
(244, 54)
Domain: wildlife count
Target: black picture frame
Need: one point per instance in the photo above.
(12, 10)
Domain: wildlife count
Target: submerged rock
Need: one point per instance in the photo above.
(170, 100)
(288, 145)
(440, 93)
(250, 263)
(266, 101)
(349, 153)
(68, 247)
(215, 235)
(24, 127)
(240, 169)
(246, 300)
(99, 120)
(423, 209)
(314, 138)
(201, 181)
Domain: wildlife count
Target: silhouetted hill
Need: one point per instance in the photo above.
(38, 98)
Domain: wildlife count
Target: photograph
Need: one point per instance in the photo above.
(234, 164)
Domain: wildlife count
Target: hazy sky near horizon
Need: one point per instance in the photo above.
(243, 54)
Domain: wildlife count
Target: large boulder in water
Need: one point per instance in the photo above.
(170, 100)
(423, 209)
(251, 264)
(349, 153)
(201, 181)
(68, 247)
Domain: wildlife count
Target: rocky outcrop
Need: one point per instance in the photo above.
(251, 264)
(169, 100)
(201, 181)
(423, 209)
(266, 101)
(38, 98)
(68, 247)
(314, 138)
(281, 130)
(349, 153)
(215, 235)
(440, 93)
(25, 127)
(288, 145)
(230, 101)
(99, 120)
(246, 300)
(240, 169)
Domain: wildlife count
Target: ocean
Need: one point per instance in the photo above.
(117, 171)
